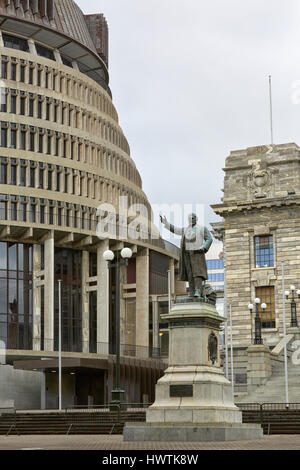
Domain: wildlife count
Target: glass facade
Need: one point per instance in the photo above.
(264, 251)
(16, 295)
(215, 264)
(68, 266)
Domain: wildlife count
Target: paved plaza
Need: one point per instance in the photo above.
(103, 442)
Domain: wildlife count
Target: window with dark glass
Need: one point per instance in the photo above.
(3, 137)
(23, 211)
(14, 210)
(267, 316)
(44, 52)
(22, 105)
(51, 215)
(39, 77)
(30, 78)
(68, 266)
(32, 213)
(42, 214)
(40, 109)
(13, 71)
(3, 100)
(13, 174)
(57, 146)
(32, 176)
(49, 144)
(3, 170)
(41, 143)
(14, 42)
(23, 175)
(23, 140)
(264, 251)
(41, 178)
(58, 181)
(13, 139)
(3, 68)
(31, 107)
(16, 295)
(22, 73)
(48, 109)
(66, 61)
(32, 142)
(49, 179)
(3, 210)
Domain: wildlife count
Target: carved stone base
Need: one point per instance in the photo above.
(193, 399)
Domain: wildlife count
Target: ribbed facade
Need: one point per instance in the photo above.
(63, 154)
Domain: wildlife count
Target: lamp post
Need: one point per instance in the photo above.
(294, 321)
(118, 395)
(257, 322)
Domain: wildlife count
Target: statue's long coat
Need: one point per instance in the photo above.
(197, 260)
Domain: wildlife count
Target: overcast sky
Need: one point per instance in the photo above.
(190, 83)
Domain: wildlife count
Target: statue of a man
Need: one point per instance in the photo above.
(195, 242)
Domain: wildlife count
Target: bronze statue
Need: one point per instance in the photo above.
(195, 242)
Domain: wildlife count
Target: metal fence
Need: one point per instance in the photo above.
(8, 419)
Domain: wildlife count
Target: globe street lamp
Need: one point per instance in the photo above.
(118, 395)
(294, 321)
(257, 323)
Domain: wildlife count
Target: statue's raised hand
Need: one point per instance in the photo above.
(163, 219)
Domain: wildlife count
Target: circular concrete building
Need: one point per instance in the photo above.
(63, 154)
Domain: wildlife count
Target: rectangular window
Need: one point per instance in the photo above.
(14, 210)
(41, 178)
(32, 142)
(31, 107)
(3, 69)
(30, 79)
(41, 143)
(13, 139)
(40, 109)
(44, 52)
(23, 214)
(266, 295)
(3, 173)
(3, 210)
(13, 71)
(264, 251)
(14, 42)
(13, 174)
(23, 175)
(22, 73)
(23, 140)
(3, 137)
(32, 177)
(22, 106)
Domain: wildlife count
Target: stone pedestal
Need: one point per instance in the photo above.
(259, 367)
(194, 400)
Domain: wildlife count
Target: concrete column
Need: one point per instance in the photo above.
(102, 300)
(49, 293)
(142, 300)
(36, 327)
(259, 367)
(85, 302)
(155, 322)
(43, 390)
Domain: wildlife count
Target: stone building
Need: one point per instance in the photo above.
(260, 230)
(63, 153)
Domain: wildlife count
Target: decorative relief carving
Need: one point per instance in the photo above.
(260, 180)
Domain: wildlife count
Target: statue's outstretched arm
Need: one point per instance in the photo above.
(170, 227)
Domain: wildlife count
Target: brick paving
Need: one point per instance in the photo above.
(104, 442)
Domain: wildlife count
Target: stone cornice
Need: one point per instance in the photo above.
(226, 208)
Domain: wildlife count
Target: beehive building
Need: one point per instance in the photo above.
(63, 153)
